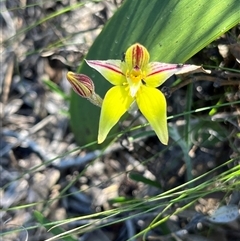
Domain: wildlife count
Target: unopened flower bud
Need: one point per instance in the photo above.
(84, 86)
(81, 84)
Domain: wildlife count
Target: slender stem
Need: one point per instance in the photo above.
(187, 130)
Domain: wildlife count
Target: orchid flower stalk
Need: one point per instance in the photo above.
(135, 79)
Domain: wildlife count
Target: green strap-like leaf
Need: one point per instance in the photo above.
(172, 30)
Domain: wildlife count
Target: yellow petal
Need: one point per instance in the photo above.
(115, 103)
(158, 73)
(137, 56)
(109, 69)
(152, 104)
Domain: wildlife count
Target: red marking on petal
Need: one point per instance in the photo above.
(137, 56)
(107, 66)
(161, 70)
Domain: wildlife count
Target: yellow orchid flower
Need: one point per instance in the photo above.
(135, 79)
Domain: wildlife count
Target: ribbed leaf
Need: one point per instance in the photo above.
(173, 31)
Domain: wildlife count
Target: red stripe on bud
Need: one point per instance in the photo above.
(81, 84)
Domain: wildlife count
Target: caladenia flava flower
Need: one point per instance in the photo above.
(84, 87)
(135, 79)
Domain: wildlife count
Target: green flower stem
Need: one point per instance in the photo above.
(187, 131)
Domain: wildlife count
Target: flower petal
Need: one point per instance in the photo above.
(109, 69)
(158, 73)
(137, 56)
(115, 103)
(152, 104)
